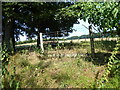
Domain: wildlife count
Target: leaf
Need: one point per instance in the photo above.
(115, 11)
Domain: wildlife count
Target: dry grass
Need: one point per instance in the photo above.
(74, 41)
(35, 70)
(41, 72)
(33, 58)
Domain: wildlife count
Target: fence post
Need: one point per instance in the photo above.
(91, 42)
(41, 42)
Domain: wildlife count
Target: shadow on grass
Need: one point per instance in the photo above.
(100, 58)
(105, 45)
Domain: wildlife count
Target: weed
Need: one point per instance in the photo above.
(49, 47)
(24, 63)
(24, 51)
(9, 79)
(61, 72)
(112, 66)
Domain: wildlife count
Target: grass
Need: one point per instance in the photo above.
(54, 72)
(36, 70)
(113, 82)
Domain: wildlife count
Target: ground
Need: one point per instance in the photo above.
(61, 67)
(54, 72)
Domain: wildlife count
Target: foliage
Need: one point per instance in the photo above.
(31, 18)
(104, 15)
(113, 66)
(105, 45)
(8, 77)
(36, 49)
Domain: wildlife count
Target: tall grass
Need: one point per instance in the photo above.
(53, 72)
(37, 70)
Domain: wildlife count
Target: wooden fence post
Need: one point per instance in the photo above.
(41, 42)
(91, 42)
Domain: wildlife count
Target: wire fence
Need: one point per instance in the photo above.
(62, 47)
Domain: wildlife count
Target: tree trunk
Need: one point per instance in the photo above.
(8, 36)
(13, 41)
(91, 42)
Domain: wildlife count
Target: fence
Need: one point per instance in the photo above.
(56, 39)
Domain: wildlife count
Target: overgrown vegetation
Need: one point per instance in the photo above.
(112, 73)
(9, 78)
(65, 65)
(46, 71)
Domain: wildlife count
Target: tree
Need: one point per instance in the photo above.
(103, 15)
(26, 17)
(43, 19)
(10, 13)
(97, 14)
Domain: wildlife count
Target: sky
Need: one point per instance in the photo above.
(80, 30)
